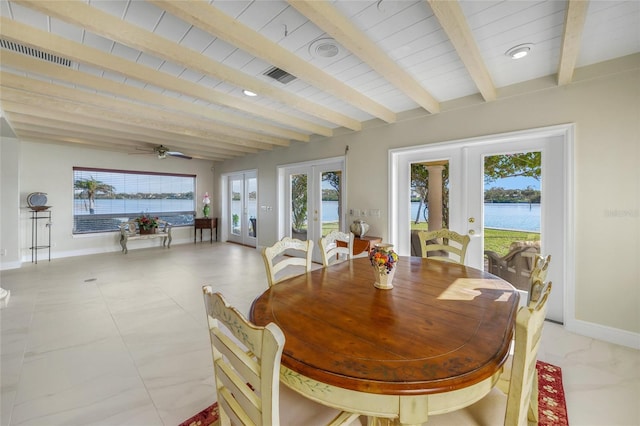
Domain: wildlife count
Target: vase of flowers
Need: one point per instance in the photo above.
(206, 201)
(147, 224)
(383, 260)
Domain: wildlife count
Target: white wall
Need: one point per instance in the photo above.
(9, 200)
(604, 104)
(48, 168)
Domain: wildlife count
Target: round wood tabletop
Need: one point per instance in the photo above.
(442, 327)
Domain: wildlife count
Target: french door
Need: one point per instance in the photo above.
(312, 200)
(242, 208)
(465, 161)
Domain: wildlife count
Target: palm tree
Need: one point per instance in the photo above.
(90, 188)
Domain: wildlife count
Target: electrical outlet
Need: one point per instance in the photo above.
(374, 213)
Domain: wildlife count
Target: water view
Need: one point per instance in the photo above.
(517, 216)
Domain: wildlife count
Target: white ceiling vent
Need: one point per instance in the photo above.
(29, 51)
(279, 75)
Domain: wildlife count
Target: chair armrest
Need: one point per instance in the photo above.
(127, 228)
(492, 255)
(165, 226)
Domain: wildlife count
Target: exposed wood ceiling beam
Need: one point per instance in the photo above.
(59, 72)
(109, 144)
(141, 135)
(42, 40)
(206, 17)
(133, 110)
(66, 140)
(79, 13)
(573, 26)
(453, 22)
(31, 100)
(324, 15)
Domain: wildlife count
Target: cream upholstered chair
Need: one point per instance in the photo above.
(247, 373)
(331, 251)
(444, 244)
(280, 260)
(519, 406)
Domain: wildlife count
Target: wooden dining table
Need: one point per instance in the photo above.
(434, 343)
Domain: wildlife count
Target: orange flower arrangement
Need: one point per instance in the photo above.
(383, 257)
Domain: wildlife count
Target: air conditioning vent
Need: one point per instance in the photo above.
(29, 51)
(280, 75)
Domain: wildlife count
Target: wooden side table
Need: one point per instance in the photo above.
(201, 223)
(361, 244)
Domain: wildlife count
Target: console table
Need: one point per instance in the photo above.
(201, 223)
(361, 244)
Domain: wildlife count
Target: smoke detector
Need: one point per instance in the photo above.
(324, 48)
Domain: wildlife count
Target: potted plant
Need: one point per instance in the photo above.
(147, 224)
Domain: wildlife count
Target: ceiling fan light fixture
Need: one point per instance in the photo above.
(519, 51)
(162, 155)
(249, 93)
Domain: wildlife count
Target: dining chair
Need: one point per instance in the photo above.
(246, 365)
(280, 259)
(442, 244)
(538, 275)
(514, 400)
(331, 251)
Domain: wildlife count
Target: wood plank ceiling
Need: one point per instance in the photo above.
(131, 75)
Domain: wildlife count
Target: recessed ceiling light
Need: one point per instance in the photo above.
(249, 93)
(519, 51)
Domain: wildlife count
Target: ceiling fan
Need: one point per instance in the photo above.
(162, 152)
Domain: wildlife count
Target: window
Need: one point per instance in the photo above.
(103, 199)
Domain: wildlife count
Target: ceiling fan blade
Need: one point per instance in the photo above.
(179, 155)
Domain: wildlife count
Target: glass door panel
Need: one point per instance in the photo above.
(243, 208)
(237, 197)
(299, 206)
(313, 201)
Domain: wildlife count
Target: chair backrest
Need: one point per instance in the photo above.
(281, 256)
(442, 244)
(522, 397)
(331, 252)
(538, 275)
(246, 370)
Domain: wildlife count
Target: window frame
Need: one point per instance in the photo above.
(111, 221)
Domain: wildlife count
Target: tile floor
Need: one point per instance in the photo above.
(117, 339)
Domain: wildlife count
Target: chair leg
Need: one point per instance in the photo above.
(532, 416)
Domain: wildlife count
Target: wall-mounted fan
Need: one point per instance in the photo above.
(162, 152)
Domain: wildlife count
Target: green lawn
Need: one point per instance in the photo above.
(494, 239)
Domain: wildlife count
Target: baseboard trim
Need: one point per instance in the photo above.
(116, 248)
(605, 333)
(10, 265)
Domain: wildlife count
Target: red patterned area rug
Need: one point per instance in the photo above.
(552, 406)
(552, 409)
